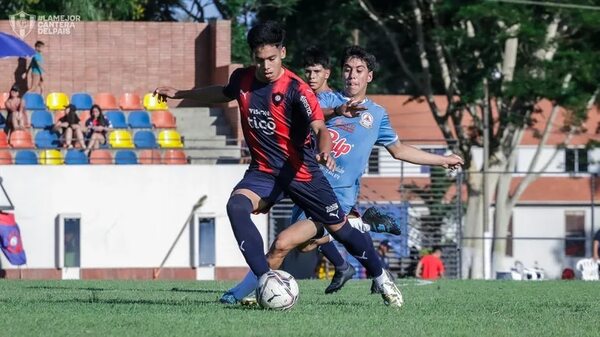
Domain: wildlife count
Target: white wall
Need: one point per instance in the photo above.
(130, 215)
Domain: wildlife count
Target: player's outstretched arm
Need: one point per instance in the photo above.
(596, 245)
(205, 95)
(324, 143)
(416, 156)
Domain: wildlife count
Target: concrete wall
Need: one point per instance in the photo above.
(130, 215)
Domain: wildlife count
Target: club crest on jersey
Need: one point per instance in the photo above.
(339, 146)
(366, 120)
(277, 98)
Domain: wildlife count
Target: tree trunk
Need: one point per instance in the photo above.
(502, 214)
(472, 252)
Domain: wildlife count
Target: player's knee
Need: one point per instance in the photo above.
(239, 204)
(282, 245)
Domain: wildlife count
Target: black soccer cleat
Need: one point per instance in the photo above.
(381, 222)
(339, 279)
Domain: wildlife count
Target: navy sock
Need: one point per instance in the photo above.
(248, 237)
(360, 247)
(333, 255)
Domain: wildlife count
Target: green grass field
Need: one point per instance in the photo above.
(159, 308)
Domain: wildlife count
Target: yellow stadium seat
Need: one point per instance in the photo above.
(57, 100)
(51, 157)
(121, 139)
(152, 103)
(170, 139)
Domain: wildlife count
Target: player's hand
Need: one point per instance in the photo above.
(349, 109)
(325, 159)
(164, 93)
(453, 161)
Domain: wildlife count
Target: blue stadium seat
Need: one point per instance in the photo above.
(26, 157)
(82, 101)
(46, 139)
(41, 119)
(117, 119)
(76, 157)
(139, 120)
(34, 101)
(145, 140)
(125, 157)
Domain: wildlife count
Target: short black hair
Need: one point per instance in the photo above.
(39, 43)
(436, 248)
(361, 54)
(267, 33)
(315, 56)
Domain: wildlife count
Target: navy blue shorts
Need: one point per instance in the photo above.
(315, 197)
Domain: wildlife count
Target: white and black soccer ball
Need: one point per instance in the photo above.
(277, 290)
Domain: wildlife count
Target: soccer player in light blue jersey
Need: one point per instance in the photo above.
(356, 124)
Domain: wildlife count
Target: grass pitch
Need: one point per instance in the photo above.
(159, 308)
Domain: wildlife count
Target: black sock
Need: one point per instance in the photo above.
(360, 247)
(333, 255)
(248, 237)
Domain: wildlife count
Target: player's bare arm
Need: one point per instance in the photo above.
(206, 95)
(324, 144)
(595, 250)
(414, 155)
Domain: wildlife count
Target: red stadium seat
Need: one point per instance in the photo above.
(163, 120)
(130, 101)
(83, 117)
(5, 157)
(175, 157)
(21, 139)
(101, 157)
(3, 140)
(149, 156)
(106, 101)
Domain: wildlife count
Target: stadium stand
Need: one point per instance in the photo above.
(21, 139)
(75, 157)
(26, 157)
(106, 101)
(170, 139)
(117, 119)
(3, 141)
(125, 157)
(51, 157)
(120, 139)
(82, 100)
(34, 101)
(163, 120)
(151, 103)
(41, 119)
(175, 157)
(144, 140)
(149, 157)
(46, 139)
(139, 120)
(101, 157)
(130, 101)
(5, 157)
(57, 100)
(83, 117)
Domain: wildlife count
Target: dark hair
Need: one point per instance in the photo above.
(361, 54)
(436, 248)
(39, 43)
(100, 117)
(268, 33)
(314, 56)
(14, 88)
(72, 117)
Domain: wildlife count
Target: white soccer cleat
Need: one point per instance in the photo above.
(391, 294)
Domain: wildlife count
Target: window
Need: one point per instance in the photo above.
(373, 165)
(575, 233)
(68, 241)
(206, 241)
(576, 160)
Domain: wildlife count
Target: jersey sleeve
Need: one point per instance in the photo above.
(232, 88)
(387, 136)
(307, 103)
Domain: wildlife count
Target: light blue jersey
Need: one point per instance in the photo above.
(353, 139)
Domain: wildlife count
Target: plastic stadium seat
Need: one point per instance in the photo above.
(151, 103)
(41, 119)
(101, 157)
(46, 139)
(120, 139)
(163, 120)
(76, 157)
(148, 157)
(125, 157)
(5, 158)
(3, 140)
(51, 157)
(106, 101)
(82, 100)
(117, 119)
(21, 139)
(130, 101)
(83, 117)
(3, 97)
(170, 139)
(145, 140)
(175, 157)
(139, 120)
(57, 100)
(26, 157)
(34, 101)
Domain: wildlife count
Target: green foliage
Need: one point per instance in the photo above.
(88, 10)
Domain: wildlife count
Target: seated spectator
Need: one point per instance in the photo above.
(96, 128)
(15, 107)
(68, 125)
(431, 266)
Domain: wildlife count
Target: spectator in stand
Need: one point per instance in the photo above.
(431, 266)
(15, 107)
(96, 128)
(37, 78)
(68, 125)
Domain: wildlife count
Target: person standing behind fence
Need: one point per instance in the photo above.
(431, 266)
(596, 247)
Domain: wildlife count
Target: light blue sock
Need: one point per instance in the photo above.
(246, 287)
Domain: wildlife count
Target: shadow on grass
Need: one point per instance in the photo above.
(112, 301)
(197, 291)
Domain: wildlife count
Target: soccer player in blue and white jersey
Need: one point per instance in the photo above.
(356, 125)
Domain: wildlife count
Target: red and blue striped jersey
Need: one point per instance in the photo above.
(275, 120)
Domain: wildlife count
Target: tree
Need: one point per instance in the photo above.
(487, 57)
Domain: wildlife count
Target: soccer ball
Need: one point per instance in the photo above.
(277, 290)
